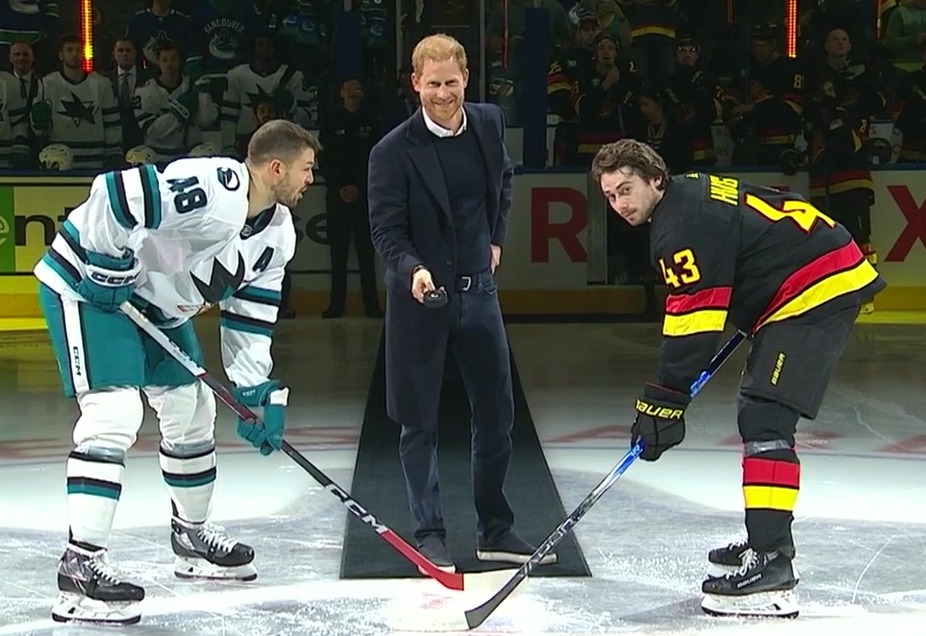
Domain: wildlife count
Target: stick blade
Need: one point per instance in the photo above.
(478, 615)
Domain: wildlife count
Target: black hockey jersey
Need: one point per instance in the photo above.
(27, 20)
(750, 255)
(224, 31)
(149, 32)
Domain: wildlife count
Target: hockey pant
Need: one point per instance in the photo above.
(105, 362)
(786, 376)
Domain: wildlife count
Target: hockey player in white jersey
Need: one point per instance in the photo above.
(79, 110)
(170, 111)
(249, 84)
(205, 231)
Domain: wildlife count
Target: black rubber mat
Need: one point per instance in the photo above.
(378, 484)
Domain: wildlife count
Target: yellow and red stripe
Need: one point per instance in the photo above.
(770, 484)
(836, 273)
(840, 181)
(701, 312)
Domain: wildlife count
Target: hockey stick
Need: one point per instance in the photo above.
(477, 615)
(453, 581)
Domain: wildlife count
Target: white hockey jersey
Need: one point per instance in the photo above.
(195, 246)
(164, 132)
(13, 122)
(85, 117)
(246, 89)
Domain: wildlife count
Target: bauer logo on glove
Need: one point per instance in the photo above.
(660, 421)
(662, 412)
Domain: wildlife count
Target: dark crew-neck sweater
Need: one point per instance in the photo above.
(465, 175)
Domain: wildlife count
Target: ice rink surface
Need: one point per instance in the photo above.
(860, 529)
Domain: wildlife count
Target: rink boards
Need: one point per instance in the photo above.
(553, 261)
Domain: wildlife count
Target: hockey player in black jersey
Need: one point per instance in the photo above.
(776, 267)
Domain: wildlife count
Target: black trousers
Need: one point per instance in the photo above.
(346, 221)
(786, 376)
(851, 209)
(479, 344)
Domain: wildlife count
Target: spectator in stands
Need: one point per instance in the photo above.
(653, 24)
(699, 100)
(304, 30)
(607, 105)
(34, 23)
(911, 118)
(572, 66)
(612, 21)
(348, 133)
(505, 50)
(767, 118)
(662, 129)
(906, 33)
(151, 28)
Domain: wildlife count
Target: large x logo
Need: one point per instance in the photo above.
(916, 223)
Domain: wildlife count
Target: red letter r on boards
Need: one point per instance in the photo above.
(543, 229)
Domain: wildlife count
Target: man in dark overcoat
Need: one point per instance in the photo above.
(439, 197)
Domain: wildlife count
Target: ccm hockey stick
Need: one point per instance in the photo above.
(477, 616)
(453, 581)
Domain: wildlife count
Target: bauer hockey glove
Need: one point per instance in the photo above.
(268, 435)
(109, 280)
(660, 420)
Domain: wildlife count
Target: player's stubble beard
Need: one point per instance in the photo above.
(288, 197)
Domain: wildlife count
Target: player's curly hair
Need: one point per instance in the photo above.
(630, 154)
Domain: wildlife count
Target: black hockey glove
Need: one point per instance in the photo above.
(660, 420)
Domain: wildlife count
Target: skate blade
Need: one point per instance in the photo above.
(764, 604)
(185, 568)
(75, 608)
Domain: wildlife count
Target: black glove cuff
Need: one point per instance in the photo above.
(663, 394)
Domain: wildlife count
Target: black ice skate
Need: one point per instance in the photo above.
(762, 586)
(730, 557)
(205, 551)
(90, 590)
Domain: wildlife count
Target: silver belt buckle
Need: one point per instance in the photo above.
(467, 283)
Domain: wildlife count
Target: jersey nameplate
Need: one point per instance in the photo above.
(724, 189)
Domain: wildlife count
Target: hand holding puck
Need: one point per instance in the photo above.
(436, 298)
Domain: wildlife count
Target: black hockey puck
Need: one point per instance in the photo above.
(435, 298)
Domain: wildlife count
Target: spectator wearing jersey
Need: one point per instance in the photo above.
(151, 28)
